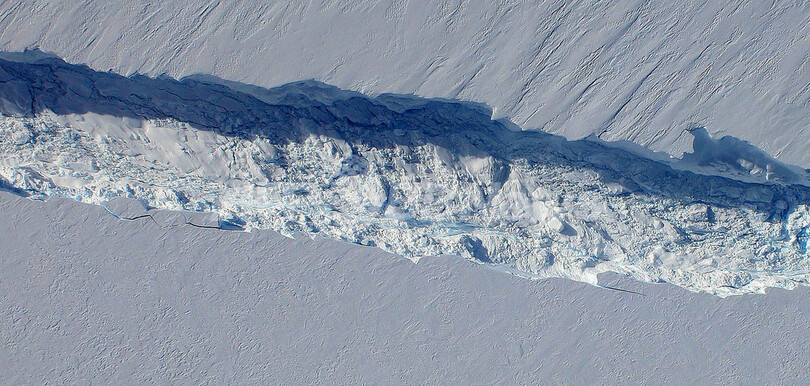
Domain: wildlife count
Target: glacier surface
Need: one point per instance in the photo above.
(628, 70)
(410, 175)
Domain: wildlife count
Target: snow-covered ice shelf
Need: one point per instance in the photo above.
(635, 70)
(410, 175)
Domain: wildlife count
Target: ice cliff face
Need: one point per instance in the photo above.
(641, 71)
(412, 176)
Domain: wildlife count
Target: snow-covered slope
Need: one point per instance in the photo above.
(413, 176)
(643, 71)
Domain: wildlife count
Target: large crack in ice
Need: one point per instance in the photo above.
(412, 176)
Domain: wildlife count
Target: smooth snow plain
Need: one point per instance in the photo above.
(413, 176)
(88, 298)
(627, 70)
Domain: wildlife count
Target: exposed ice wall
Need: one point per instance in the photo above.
(635, 70)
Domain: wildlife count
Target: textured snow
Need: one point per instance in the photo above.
(630, 70)
(86, 298)
(416, 177)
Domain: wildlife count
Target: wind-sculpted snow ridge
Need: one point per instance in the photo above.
(412, 176)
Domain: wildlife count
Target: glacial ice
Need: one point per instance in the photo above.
(410, 175)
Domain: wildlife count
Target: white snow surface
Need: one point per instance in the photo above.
(86, 298)
(627, 70)
(413, 176)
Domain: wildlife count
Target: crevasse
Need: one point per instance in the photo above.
(412, 176)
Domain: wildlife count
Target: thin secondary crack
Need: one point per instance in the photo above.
(151, 217)
(621, 290)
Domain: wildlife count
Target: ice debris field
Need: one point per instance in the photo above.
(410, 175)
